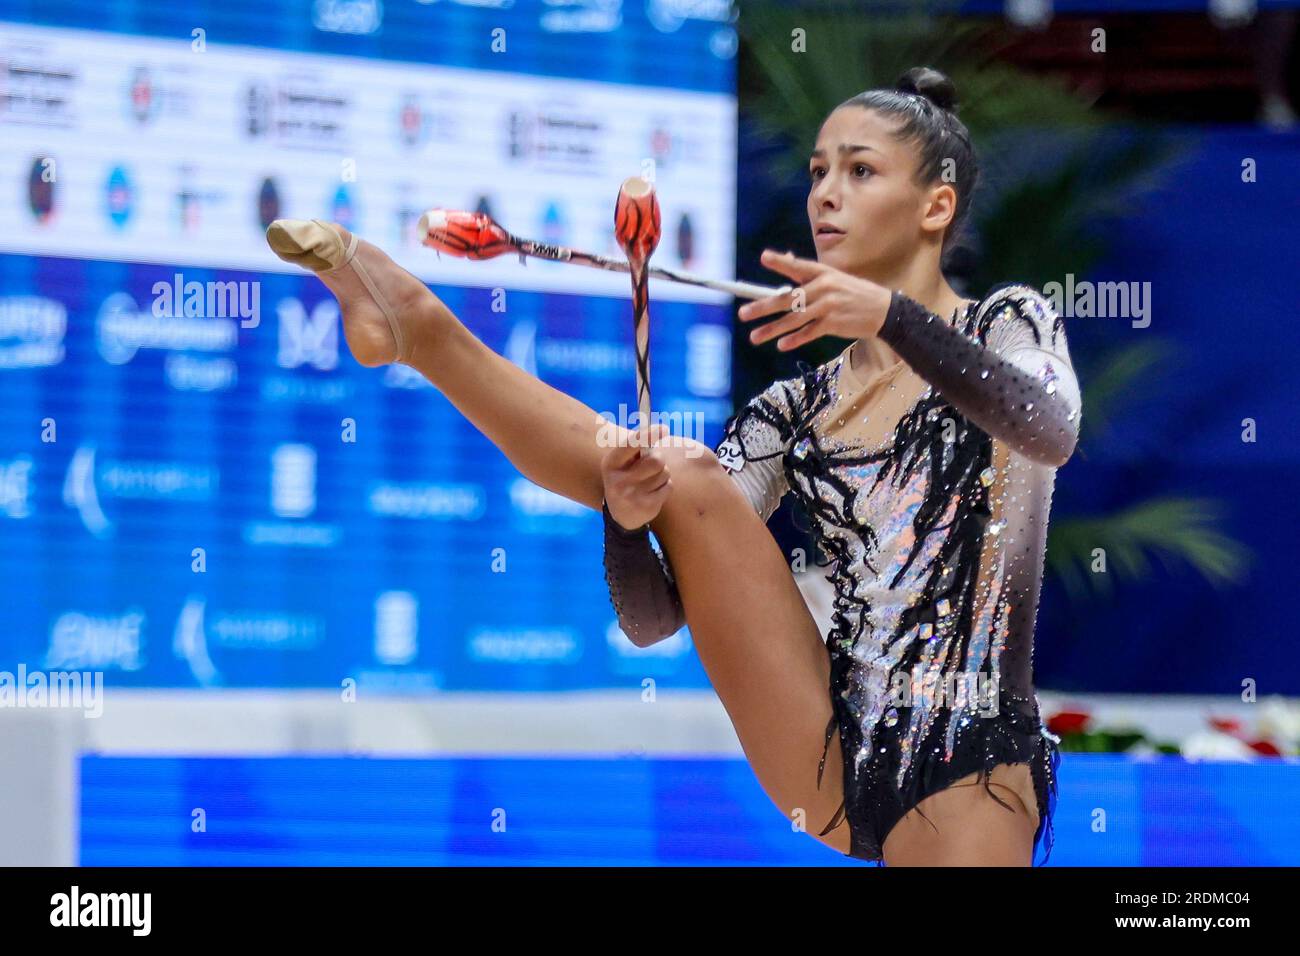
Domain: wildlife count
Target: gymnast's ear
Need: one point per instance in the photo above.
(940, 208)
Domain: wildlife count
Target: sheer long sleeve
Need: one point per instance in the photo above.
(641, 584)
(1013, 378)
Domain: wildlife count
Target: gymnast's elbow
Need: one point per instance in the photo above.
(1053, 451)
(647, 636)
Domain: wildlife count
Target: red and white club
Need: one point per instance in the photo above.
(476, 235)
(637, 228)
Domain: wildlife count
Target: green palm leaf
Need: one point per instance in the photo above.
(1108, 383)
(1172, 531)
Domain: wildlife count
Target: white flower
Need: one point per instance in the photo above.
(1212, 745)
(1143, 749)
(1279, 721)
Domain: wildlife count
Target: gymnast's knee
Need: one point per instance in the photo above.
(690, 462)
(700, 483)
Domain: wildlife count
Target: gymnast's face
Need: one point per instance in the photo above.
(868, 215)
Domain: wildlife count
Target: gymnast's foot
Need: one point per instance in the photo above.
(385, 308)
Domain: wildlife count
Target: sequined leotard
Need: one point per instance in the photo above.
(928, 486)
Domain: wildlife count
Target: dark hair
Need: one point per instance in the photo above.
(927, 101)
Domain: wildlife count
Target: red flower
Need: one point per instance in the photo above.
(1226, 725)
(1068, 722)
(1266, 748)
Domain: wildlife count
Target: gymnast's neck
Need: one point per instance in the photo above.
(919, 278)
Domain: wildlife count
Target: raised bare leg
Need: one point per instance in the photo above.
(550, 437)
(756, 638)
(750, 624)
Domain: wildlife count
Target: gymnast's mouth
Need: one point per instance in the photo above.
(827, 235)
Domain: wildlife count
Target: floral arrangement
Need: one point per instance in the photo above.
(1276, 734)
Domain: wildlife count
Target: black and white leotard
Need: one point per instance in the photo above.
(928, 486)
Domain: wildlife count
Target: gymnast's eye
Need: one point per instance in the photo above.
(816, 173)
(862, 170)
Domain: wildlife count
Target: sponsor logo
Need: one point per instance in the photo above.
(428, 118)
(676, 140)
(293, 496)
(190, 642)
(143, 97)
(118, 196)
(343, 208)
(31, 331)
(685, 241)
(308, 338)
(293, 481)
(121, 329)
(278, 632)
(87, 482)
(492, 4)
(408, 215)
(396, 628)
(41, 189)
(359, 17)
(661, 145)
(192, 198)
(15, 487)
(34, 91)
(555, 138)
(81, 641)
(708, 360)
(410, 121)
(524, 646)
(669, 15)
(198, 629)
(577, 356)
(268, 202)
(421, 500)
(257, 116)
(583, 16)
(534, 501)
(303, 111)
(553, 225)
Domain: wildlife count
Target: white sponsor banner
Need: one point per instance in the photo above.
(141, 149)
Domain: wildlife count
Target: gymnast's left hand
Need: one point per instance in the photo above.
(823, 301)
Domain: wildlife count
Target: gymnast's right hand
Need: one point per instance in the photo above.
(636, 478)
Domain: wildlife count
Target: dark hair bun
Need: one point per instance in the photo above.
(933, 85)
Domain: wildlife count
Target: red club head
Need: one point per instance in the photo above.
(470, 235)
(636, 219)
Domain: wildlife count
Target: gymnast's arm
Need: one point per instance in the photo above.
(1014, 380)
(641, 584)
(642, 587)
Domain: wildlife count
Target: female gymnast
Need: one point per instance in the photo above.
(925, 455)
